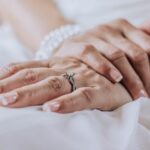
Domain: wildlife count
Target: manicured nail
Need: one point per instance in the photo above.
(116, 75)
(8, 98)
(54, 106)
(3, 70)
(143, 93)
(46, 108)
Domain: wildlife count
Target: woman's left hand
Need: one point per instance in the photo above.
(38, 82)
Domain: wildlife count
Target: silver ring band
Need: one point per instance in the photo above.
(70, 77)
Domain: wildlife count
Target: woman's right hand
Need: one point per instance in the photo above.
(114, 50)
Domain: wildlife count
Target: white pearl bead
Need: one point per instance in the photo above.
(55, 38)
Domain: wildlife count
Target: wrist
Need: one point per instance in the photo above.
(54, 39)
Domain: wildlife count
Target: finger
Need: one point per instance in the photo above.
(145, 26)
(36, 94)
(131, 81)
(99, 63)
(118, 58)
(26, 77)
(82, 98)
(134, 53)
(93, 97)
(137, 56)
(135, 35)
(12, 68)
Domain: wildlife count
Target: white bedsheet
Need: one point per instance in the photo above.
(127, 128)
(10, 47)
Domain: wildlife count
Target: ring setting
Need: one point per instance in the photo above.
(70, 77)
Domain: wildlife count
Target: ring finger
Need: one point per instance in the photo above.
(26, 77)
(33, 95)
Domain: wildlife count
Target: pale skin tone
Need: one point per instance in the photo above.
(115, 50)
(124, 45)
(22, 15)
(93, 90)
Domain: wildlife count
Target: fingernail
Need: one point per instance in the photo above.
(46, 108)
(3, 69)
(53, 107)
(8, 98)
(143, 93)
(116, 75)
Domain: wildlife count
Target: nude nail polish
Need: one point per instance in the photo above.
(53, 107)
(46, 108)
(3, 101)
(143, 93)
(8, 98)
(115, 75)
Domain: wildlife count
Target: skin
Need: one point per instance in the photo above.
(124, 45)
(116, 50)
(22, 86)
(145, 26)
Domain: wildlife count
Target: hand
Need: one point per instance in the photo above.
(37, 82)
(145, 26)
(125, 46)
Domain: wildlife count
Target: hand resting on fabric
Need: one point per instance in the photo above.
(38, 82)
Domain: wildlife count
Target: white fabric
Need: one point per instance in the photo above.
(92, 12)
(127, 128)
(10, 48)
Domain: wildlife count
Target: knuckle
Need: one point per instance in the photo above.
(103, 67)
(103, 28)
(2, 89)
(87, 94)
(139, 56)
(30, 76)
(145, 38)
(125, 42)
(121, 21)
(116, 55)
(55, 83)
(13, 68)
(86, 49)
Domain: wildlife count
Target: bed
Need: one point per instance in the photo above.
(127, 128)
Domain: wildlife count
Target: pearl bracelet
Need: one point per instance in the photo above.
(54, 39)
